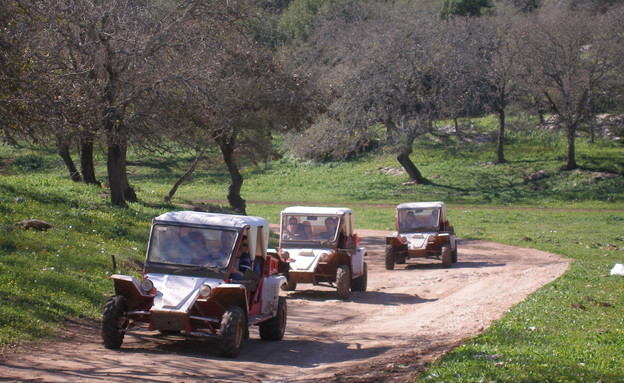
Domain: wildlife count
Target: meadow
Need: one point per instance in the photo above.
(569, 331)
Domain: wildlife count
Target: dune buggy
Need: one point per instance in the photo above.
(191, 285)
(423, 231)
(320, 247)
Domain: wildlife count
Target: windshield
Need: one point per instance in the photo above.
(312, 228)
(418, 220)
(180, 245)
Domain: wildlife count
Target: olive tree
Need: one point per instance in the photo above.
(96, 61)
(232, 92)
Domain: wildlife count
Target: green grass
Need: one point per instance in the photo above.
(47, 278)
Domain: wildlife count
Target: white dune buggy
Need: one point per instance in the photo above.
(319, 246)
(423, 231)
(192, 285)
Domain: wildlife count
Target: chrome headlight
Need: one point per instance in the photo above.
(147, 286)
(205, 291)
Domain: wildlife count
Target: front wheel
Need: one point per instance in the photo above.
(289, 285)
(359, 283)
(343, 281)
(114, 321)
(274, 328)
(232, 331)
(447, 257)
(389, 257)
(454, 255)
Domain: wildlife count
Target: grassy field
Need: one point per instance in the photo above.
(569, 331)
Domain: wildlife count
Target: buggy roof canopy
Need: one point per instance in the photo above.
(316, 210)
(258, 231)
(420, 205)
(211, 219)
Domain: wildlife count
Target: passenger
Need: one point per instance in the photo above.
(308, 229)
(227, 240)
(199, 252)
(242, 263)
(410, 220)
(330, 229)
(301, 233)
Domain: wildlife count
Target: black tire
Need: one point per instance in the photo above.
(232, 331)
(390, 257)
(454, 255)
(359, 283)
(114, 321)
(274, 328)
(289, 286)
(447, 256)
(343, 281)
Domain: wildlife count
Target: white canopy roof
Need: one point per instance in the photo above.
(418, 205)
(258, 231)
(316, 210)
(211, 219)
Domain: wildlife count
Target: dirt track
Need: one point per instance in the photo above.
(408, 317)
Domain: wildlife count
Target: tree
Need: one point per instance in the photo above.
(498, 66)
(574, 59)
(100, 57)
(452, 8)
(399, 88)
(231, 91)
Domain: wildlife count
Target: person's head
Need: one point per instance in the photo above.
(410, 217)
(244, 246)
(307, 227)
(292, 224)
(330, 224)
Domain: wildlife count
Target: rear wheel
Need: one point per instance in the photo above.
(454, 255)
(232, 331)
(447, 257)
(389, 257)
(359, 283)
(343, 281)
(114, 321)
(274, 328)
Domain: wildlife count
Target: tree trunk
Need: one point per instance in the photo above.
(64, 153)
(120, 190)
(405, 161)
(540, 114)
(571, 164)
(456, 122)
(186, 175)
(234, 197)
(500, 155)
(86, 161)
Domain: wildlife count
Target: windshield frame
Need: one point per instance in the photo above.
(317, 236)
(423, 220)
(179, 257)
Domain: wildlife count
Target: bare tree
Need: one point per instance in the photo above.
(499, 66)
(104, 52)
(572, 59)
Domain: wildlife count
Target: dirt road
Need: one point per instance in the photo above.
(408, 317)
